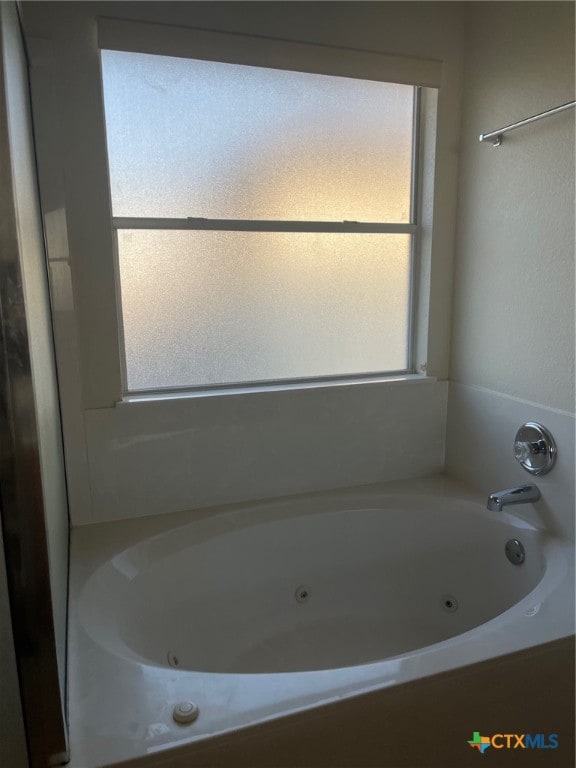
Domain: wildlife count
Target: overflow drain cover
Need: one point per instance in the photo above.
(185, 712)
(515, 551)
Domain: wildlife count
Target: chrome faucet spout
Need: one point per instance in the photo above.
(523, 494)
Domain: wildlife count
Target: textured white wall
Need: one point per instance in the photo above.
(513, 313)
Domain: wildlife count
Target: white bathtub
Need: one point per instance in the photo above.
(259, 610)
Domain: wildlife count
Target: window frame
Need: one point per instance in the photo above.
(411, 228)
(71, 138)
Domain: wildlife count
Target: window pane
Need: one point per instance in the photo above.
(207, 139)
(203, 308)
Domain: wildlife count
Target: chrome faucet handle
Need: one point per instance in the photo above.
(534, 448)
(524, 449)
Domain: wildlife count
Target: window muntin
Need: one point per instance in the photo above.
(263, 221)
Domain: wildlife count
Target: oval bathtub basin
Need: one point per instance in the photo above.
(299, 587)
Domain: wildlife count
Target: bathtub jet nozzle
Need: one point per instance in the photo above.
(523, 494)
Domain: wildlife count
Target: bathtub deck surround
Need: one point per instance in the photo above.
(272, 443)
(324, 598)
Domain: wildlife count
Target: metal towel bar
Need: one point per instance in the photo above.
(496, 136)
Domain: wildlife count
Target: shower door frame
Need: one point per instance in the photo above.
(22, 501)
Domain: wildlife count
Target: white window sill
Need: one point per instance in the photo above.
(249, 389)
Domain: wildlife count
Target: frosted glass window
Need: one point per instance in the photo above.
(225, 182)
(190, 138)
(203, 308)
